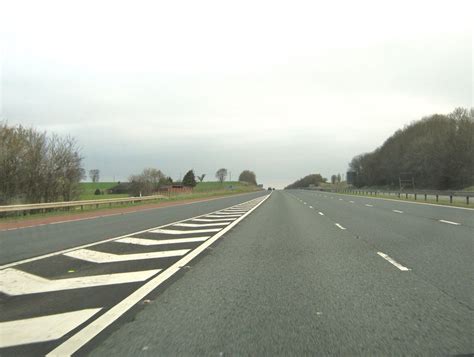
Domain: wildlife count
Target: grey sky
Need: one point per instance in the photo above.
(281, 88)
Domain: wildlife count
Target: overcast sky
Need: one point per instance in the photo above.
(281, 88)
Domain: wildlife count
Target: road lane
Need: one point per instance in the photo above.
(287, 281)
(440, 253)
(110, 277)
(30, 242)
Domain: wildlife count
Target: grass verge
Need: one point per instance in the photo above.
(441, 202)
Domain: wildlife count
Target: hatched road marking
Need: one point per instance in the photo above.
(44, 328)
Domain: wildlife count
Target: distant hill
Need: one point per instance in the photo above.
(313, 179)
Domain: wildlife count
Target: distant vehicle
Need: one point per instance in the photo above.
(269, 189)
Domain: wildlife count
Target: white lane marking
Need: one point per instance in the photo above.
(340, 199)
(397, 211)
(214, 220)
(59, 252)
(100, 257)
(41, 329)
(223, 216)
(351, 201)
(149, 242)
(240, 210)
(194, 225)
(339, 226)
(392, 261)
(78, 340)
(450, 222)
(304, 202)
(175, 231)
(369, 205)
(310, 206)
(17, 282)
(321, 213)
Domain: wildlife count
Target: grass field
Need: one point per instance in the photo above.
(88, 189)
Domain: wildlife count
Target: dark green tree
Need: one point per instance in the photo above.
(189, 179)
(248, 176)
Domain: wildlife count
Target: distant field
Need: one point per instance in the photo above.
(88, 189)
(228, 186)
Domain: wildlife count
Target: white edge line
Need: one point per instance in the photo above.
(77, 341)
(393, 262)
(103, 241)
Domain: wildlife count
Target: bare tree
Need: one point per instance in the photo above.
(94, 174)
(201, 178)
(221, 174)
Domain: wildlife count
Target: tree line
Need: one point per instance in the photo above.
(437, 152)
(36, 167)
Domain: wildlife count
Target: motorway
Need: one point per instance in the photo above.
(291, 273)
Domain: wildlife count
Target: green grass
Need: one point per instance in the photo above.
(224, 186)
(443, 201)
(88, 189)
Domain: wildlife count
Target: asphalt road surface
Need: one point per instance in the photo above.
(291, 273)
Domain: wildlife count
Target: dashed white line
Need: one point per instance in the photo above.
(397, 211)
(393, 262)
(340, 199)
(351, 201)
(450, 222)
(339, 226)
(369, 205)
(310, 206)
(321, 213)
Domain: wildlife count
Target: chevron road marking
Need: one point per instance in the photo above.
(213, 220)
(143, 241)
(201, 224)
(175, 231)
(222, 216)
(100, 257)
(75, 342)
(17, 282)
(45, 328)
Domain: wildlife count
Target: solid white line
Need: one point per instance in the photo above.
(397, 211)
(338, 225)
(100, 257)
(41, 329)
(321, 213)
(177, 232)
(78, 340)
(392, 261)
(450, 222)
(151, 242)
(214, 220)
(369, 205)
(17, 282)
(28, 260)
(194, 225)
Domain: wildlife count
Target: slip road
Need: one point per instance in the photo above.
(297, 272)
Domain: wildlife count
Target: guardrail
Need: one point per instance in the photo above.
(81, 204)
(415, 194)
